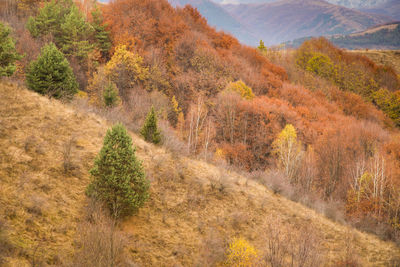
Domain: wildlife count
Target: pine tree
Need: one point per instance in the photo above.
(51, 74)
(8, 54)
(149, 130)
(101, 35)
(73, 39)
(64, 21)
(118, 177)
(110, 95)
(48, 21)
(262, 47)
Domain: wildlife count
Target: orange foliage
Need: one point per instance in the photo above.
(193, 55)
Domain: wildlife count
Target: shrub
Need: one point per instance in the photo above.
(150, 131)
(51, 74)
(321, 65)
(241, 253)
(118, 177)
(8, 54)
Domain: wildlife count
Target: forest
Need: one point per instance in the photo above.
(314, 124)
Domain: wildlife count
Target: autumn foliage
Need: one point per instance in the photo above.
(326, 119)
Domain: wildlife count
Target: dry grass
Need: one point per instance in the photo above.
(191, 201)
(382, 57)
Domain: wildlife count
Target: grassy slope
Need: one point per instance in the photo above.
(382, 57)
(41, 206)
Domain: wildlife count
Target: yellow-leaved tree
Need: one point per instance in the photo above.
(126, 69)
(241, 253)
(240, 87)
(289, 152)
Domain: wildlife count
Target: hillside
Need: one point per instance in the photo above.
(383, 57)
(41, 206)
(289, 19)
(381, 37)
(220, 18)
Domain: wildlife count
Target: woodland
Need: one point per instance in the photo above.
(314, 124)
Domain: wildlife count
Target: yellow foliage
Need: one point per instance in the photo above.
(125, 62)
(175, 105)
(241, 253)
(219, 153)
(81, 94)
(287, 135)
(289, 151)
(241, 88)
(96, 87)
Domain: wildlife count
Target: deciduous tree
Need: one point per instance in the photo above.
(289, 152)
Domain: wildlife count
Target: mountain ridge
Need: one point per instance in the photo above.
(282, 20)
(218, 17)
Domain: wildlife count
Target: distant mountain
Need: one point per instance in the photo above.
(380, 37)
(243, 1)
(385, 37)
(389, 8)
(358, 3)
(285, 20)
(346, 3)
(220, 18)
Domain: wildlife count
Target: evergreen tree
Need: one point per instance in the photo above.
(262, 47)
(49, 19)
(74, 30)
(64, 21)
(51, 74)
(149, 130)
(110, 95)
(118, 177)
(101, 35)
(8, 54)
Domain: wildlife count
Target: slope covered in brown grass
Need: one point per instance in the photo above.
(194, 208)
(382, 57)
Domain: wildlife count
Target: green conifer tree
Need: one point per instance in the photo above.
(110, 95)
(101, 35)
(149, 130)
(8, 54)
(51, 74)
(49, 19)
(118, 177)
(64, 21)
(74, 32)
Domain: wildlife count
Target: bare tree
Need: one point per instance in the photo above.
(100, 244)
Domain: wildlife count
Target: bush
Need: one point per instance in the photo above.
(241, 253)
(51, 74)
(150, 131)
(8, 54)
(118, 177)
